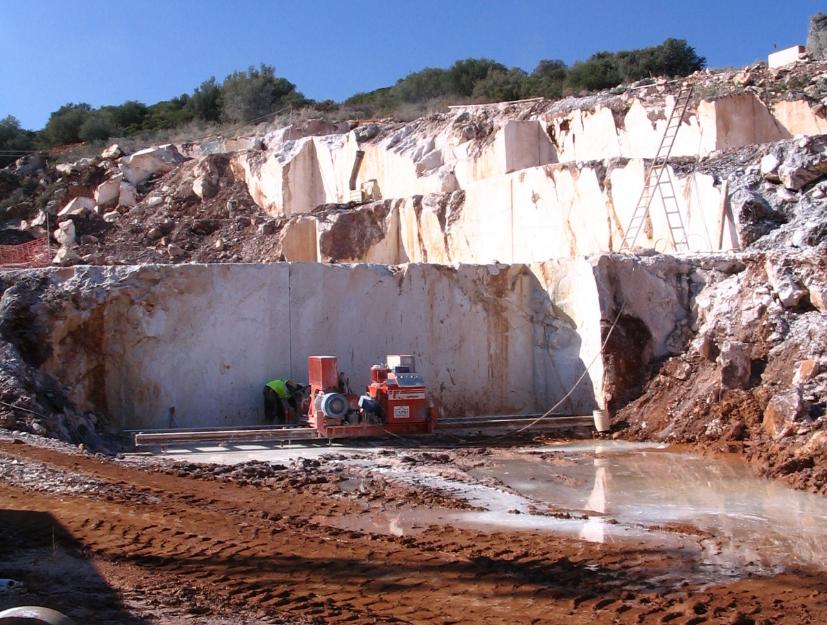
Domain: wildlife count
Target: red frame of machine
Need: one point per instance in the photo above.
(396, 401)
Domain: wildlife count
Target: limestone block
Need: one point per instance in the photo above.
(769, 163)
(782, 411)
(798, 117)
(112, 152)
(367, 234)
(142, 165)
(77, 206)
(525, 144)
(298, 240)
(742, 119)
(474, 330)
(108, 192)
(805, 371)
(127, 195)
(735, 364)
(801, 167)
(65, 234)
(66, 256)
(298, 176)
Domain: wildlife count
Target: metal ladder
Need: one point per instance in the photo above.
(659, 181)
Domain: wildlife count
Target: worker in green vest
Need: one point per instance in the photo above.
(280, 401)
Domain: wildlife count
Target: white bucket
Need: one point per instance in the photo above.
(602, 423)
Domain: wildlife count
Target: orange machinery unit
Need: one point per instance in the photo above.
(396, 400)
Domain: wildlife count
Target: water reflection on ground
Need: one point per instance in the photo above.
(758, 521)
(728, 521)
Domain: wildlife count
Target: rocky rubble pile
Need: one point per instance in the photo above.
(30, 399)
(754, 377)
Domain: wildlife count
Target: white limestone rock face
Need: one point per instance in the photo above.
(475, 331)
(297, 176)
(142, 165)
(489, 339)
(526, 216)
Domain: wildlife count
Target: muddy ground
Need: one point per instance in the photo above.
(128, 541)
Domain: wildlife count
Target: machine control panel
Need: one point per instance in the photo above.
(409, 379)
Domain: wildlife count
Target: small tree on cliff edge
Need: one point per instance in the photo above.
(257, 92)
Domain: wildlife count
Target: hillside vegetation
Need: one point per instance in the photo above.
(255, 94)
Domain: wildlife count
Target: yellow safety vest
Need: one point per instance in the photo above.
(279, 387)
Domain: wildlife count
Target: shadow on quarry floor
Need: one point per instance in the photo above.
(37, 551)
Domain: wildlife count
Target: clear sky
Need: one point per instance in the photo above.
(109, 51)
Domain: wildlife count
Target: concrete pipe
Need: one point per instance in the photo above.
(33, 615)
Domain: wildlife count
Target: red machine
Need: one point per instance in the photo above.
(396, 401)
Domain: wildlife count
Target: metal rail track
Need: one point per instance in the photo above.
(255, 434)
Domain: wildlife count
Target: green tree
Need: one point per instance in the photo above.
(255, 93)
(464, 75)
(427, 84)
(168, 114)
(128, 117)
(98, 126)
(501, 85)
(13, 140)
(675, 57)
(547, 79)
(599, 72)
(206, 101)
(64, 124)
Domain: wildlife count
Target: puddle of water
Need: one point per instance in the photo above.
(727, 521)
(753, 520)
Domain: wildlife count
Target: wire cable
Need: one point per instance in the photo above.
(549, 412)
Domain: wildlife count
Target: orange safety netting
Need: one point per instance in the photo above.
(32, 254)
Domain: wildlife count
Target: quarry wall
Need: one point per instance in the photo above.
(448, 153)
(526, 216)
(555, 184)
(131, 342)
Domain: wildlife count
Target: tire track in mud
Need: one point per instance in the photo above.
(255, 550)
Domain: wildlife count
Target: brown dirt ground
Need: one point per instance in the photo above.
(160, 547)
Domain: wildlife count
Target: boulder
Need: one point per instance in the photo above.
(801, 167)
(782, 411)
(111, 216)
(754, 215)
(128, 195)
(817, 38)
(784, 284)
(144, 164)
(805, 371)
(175, 251)
(818, 296)
(108, 192)
(112, 152)
(66, 256)
(769, 164)
(29, 164)
(65, 234)
(77, 206)
(736, 366)
(208, 174)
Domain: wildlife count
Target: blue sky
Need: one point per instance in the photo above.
(106, 52)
